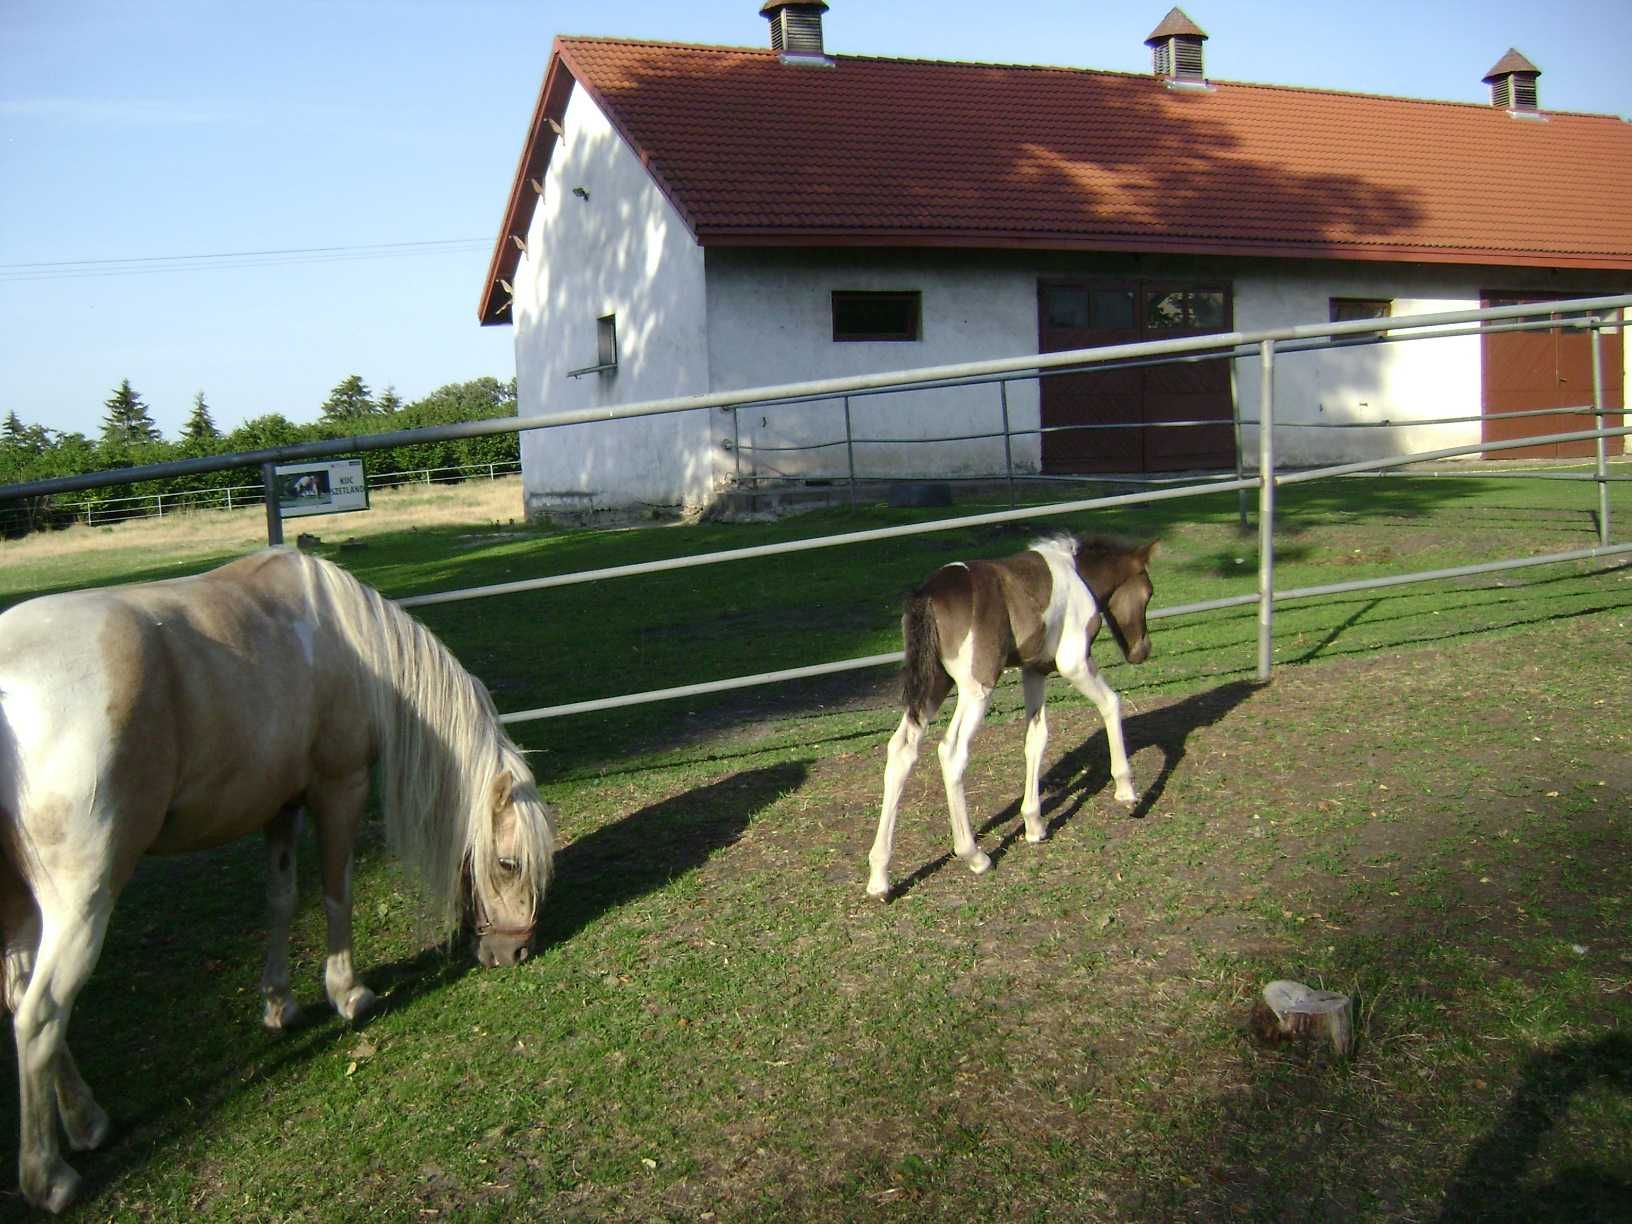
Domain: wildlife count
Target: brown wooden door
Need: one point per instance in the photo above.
(1078, 315)
(1090, 313)
(1545, 369)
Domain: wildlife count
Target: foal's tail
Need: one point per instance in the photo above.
(924, 682)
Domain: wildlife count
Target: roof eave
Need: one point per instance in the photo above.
(550, 109)
(1370, 252)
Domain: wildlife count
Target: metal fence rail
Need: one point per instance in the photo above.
(1263, 345)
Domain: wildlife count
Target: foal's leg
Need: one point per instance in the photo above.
(338, 808)
(50, 1086)
(281, 1009)
(903, 752)
(954, 753)
(1031, 806)
(1085, 676)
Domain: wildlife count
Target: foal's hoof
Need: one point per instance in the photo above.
(1127, 797)
(879, 889)
(980, 863)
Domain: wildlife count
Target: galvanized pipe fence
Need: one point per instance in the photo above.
(1264, 345)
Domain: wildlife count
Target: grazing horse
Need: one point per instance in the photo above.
(178, 715)
(1038, 610)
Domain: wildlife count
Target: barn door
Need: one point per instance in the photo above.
(1545, 369)
(1090, 313)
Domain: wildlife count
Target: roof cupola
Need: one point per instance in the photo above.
(1176, 48)
(796, 28)
(1513, 84)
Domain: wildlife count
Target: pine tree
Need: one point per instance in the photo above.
(128, 419)
(200, 425)
(11, 429)
(389, 401)
(349, 400)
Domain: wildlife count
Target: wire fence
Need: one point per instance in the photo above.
(108, 510)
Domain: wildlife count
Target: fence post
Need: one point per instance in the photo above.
(1600, 443)
(274, 520)
(1266, 508)
(1240, 463)
(1008, 450)
(850, 450)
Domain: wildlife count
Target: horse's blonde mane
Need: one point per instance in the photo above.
(441, 747)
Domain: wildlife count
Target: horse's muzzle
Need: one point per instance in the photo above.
(497, 946)
(1140, 651)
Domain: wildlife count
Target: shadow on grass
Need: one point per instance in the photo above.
(1086, 770)
(644, 852)
(1491, 1184)
(163, 1080)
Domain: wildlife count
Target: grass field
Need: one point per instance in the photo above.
(1427, 807)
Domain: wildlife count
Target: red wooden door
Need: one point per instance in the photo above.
(1545, 369)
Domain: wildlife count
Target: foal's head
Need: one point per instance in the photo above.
(1118, 574)
(509, 869)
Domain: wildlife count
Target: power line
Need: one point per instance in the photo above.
(72, 269)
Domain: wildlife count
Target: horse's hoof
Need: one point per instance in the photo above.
(89, 1130)
(879, 889)
(55, 1192)
(980, 863)
(356, 1004)
(1128, 798)
(281, 1015)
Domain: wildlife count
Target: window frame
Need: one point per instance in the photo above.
(913, 333)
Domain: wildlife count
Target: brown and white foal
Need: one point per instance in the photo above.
(1038, 610)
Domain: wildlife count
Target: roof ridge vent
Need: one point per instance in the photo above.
(796, 30)
(1512, 82)
(1176, 51)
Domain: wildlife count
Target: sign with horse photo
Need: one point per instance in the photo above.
(321, 488)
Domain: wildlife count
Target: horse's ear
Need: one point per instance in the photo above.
(503, 786)
(1147, 552)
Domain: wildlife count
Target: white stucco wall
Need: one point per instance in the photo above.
(622, 251)
(1417, 379)
(771, 321)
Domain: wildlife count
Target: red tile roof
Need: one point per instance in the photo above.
(889, 152)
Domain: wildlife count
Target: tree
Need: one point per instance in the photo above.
(389, 401)
(12, 428)
(349, 400)
(200, 425)
(128, 420)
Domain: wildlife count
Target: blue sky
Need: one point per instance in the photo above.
(369, 145)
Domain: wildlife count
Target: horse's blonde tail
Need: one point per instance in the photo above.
(924, 681)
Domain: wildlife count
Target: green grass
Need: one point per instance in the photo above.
(1427, 808)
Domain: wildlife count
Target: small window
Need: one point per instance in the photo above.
(876, 316)
(1113, 309)
(606, 348)
(1066, 306)
(1207, 308)
(1164, 309)
(1347, 310)
(606, 340)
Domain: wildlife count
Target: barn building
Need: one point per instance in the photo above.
(692, 219)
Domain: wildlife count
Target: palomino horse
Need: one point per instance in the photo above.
(1038, 610)
(179, 715)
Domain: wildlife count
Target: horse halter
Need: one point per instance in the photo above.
(484, 926)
